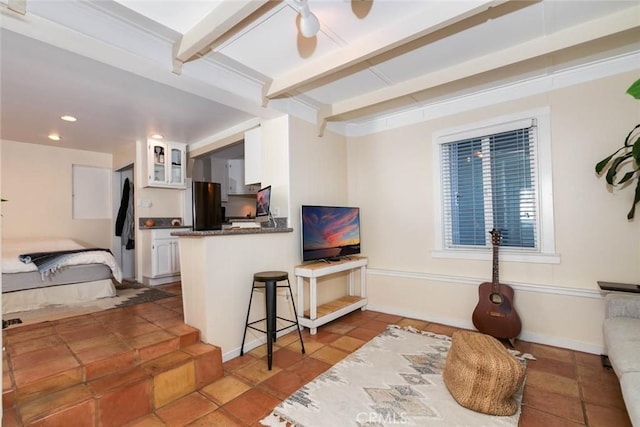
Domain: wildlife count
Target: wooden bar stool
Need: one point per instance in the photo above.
(268, 280)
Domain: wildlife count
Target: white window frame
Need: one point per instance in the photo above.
(546, 252)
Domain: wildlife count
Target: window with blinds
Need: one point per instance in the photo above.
(489, 181)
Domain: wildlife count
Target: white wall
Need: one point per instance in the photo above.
(37, 181)
(391, 179)
(275, 139)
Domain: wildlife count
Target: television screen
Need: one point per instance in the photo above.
(329, 232)
(263, 201)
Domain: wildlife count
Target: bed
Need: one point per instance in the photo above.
(69, 271)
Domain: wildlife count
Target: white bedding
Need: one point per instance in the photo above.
(12, 248)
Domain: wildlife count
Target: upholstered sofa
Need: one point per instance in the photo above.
(622, 339)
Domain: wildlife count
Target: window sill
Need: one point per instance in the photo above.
(505, 255)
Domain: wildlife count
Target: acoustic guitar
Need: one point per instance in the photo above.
(494, 315)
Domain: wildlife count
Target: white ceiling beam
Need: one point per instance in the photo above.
(19, 6)
(377, 43)
(573, 36)
(219, 21)
(58, 35)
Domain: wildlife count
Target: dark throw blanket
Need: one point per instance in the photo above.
(48, 262)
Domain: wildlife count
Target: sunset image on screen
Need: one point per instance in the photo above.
(330, 231)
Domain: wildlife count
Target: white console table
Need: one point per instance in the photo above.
(318, 316)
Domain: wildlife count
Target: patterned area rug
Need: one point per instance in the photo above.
(136, 293)
(127, 294)
(395, 379)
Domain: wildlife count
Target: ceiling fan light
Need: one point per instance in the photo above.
(309, 24)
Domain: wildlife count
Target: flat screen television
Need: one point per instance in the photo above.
(329, 232)
(263, 204)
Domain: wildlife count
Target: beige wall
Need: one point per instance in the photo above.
(37, 181)
(124, 156)
(318, 177)
(391, 179)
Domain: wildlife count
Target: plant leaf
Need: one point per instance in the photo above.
(627, 176)
(613, 169)
(636, 199)
(627, 140)
(602, 163)
(635, 151)
(634, 89)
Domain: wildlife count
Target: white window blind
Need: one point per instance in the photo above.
(489, 181)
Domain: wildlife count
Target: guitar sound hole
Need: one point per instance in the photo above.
(496, 298)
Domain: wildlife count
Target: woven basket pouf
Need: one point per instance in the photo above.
(481, 374)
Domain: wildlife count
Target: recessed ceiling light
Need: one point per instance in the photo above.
(68, 118)
(157, 136)
(54, 137)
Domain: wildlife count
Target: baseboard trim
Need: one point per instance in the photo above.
(525, 336)
(157, 281)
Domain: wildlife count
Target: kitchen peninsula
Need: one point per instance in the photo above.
(217, 268)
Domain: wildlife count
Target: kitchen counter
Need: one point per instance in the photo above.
(161, 223)
(216, 267)
(164, 227)
(232, 231)
(227, 230)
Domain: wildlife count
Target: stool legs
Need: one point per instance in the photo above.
(246, 323)
(270, 301)
(270, 288)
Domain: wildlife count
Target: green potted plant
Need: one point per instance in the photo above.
(625, 157)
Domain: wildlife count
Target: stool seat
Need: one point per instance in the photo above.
(266, 276)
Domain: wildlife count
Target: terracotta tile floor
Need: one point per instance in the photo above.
(563, 387)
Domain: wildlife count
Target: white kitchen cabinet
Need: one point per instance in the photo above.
(166, 164)
(162, 258)
(253, 156)
(235, 182)
(235, 172)
(220, 174)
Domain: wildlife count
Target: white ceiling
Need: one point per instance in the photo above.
(196, 70)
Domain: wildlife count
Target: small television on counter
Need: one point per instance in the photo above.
(263, 204)
(329, 232)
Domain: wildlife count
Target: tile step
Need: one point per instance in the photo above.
(121, 397)
(80, 362)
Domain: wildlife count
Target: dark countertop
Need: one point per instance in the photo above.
(160, 223)
(164, 227)
(232, 231)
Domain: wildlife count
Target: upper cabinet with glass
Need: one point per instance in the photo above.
(166, 163)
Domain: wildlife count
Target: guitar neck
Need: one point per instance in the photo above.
(496, 273)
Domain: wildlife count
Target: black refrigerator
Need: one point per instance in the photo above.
(207, 206)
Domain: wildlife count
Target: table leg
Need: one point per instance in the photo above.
(313, 299)
(363, 284)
